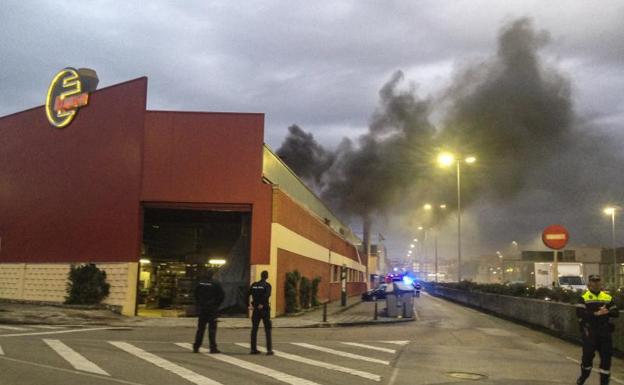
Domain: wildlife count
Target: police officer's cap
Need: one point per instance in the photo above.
(594, 277)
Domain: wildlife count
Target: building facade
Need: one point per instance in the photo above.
(153, 197)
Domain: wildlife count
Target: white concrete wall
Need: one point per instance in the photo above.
(48, 282)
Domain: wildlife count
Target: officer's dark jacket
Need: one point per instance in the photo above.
(209, 294)
(260, 292)
(589, 303)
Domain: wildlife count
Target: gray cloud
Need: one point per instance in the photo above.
(317, 64)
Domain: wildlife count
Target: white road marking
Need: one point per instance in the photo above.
(69, 371)
(416, 315)
(47, 327)
(393, 377)
(59, 332)
(320, 364)
(340, 353)
(385, 350)
(187, 374)
(74, 358)
(1, 351)
(277, 375)
(597, 370)
(5, 327)
(396, 342)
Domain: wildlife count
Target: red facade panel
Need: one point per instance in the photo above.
(309, 268)
(289, 213)
(72, 194)
(210, 158)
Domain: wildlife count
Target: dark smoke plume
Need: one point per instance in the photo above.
(371, 177)
(513, 112)
(308, 159)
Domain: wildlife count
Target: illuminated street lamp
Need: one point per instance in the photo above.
(447, 159)
(429, 207)
(611, 211)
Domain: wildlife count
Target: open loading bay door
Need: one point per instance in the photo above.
(179, 245)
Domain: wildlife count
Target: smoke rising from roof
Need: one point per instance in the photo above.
(513, 111)
(305, 156)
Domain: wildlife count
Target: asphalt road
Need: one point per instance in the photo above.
(448, 344)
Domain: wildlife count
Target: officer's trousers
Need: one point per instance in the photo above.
(603, 344)
(206, 317)
(263, 314)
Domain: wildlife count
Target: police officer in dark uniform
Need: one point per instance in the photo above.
(260, 292)
(595, 312)
(208, 296)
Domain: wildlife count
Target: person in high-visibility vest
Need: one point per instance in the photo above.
(595, 312)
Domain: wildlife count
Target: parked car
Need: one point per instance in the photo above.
(374, 294)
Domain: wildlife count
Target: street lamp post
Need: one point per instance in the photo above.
(429, 207)
(447, 159)
(611, 211)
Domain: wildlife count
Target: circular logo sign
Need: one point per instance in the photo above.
(555, 237)
(65, 96)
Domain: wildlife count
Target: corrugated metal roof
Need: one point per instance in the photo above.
(276, 172)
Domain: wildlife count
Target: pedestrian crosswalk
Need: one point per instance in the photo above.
(78, 361)
(295, 363)
(321, 364)
(341, 353)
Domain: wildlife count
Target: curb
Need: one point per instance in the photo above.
(365, 323)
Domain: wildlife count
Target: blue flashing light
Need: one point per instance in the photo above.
(407, 280)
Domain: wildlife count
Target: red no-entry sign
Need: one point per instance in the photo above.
(555, 237)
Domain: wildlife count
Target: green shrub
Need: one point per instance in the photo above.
(87, 285)
(305, 292)
(291, 292)
(315, 288)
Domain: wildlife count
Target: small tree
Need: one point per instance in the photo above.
(87, 285)
(315, 288)
(305, 292)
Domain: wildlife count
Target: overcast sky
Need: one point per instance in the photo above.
(317, 64)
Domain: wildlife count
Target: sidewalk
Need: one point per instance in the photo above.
(355, 313)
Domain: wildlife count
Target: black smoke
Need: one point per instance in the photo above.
(305, 156)
(514, 111)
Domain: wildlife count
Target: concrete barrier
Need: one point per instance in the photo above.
(560, 318)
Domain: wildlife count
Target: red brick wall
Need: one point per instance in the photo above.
(213, 158)
(310, 268)
(291, 215)
(72, 194)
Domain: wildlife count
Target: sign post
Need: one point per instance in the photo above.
(555, 237)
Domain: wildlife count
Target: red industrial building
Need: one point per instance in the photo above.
(150, 195)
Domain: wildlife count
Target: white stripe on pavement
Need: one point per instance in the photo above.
(386, 350)
(74, 358)
(47, 327)
(5, 327)
(597, 370)
(60, 332)
(71, 372)
(277, 375)
(1, 351)
(187, 374)
(340, 353)
(304, 360)
(396, 342)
